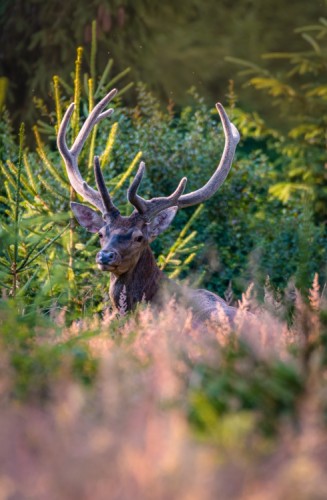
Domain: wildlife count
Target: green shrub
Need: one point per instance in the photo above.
(298, 88)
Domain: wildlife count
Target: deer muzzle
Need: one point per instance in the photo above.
(108, 259)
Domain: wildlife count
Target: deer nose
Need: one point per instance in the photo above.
(106, 257)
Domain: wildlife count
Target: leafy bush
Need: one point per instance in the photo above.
(299, 90)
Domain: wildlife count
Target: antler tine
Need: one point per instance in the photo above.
(132, 195)
(150, 208)
(156, 205)
(70, 155)
(111, 209)
(232, 138)
(94, 117)
(61, 138)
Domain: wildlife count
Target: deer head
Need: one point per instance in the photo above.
(124, 239)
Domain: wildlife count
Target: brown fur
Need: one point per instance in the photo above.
(146, 282)
(142, 282)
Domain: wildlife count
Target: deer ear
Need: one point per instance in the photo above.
(87, 217)
(161, 222)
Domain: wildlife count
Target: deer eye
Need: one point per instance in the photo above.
(100, 235)
(138, 238)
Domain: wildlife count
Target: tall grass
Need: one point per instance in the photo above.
(147, 406)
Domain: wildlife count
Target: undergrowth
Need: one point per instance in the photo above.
(137, 404)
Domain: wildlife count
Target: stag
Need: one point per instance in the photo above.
(125, 241)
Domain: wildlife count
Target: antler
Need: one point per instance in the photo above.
(150, 208)
(100, 199)
(232, 138)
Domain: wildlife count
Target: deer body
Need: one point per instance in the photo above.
(146, 282)
(125, 250)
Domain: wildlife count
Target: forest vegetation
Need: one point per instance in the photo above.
(145, 404)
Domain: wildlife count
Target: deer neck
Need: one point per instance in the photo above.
(139, 283)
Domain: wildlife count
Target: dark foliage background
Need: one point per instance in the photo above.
(169, 45)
